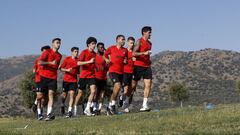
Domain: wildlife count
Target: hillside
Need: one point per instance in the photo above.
(210, 75)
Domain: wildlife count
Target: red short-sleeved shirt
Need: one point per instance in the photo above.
(143, 60)
(117, 56)
(87, 70)
(37, 69)
(69, 62)
(49, 70)
(128, 68)
(100, 67)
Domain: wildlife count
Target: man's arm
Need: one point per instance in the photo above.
(136, 48)
(80, 63)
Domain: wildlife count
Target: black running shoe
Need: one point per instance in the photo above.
(40, 117)
(62, 109)
(34, 108)
(113, 110)
(108, 111)
(69, 114)
(50, 117)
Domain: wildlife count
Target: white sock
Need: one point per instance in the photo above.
(39, 111)
(113, 102)
(110, 104)
(49, 110)
(69, 109)
(75, 110)
(145, 101)
(100, 106)
(88, 105)
(92, 104)
(35, 102)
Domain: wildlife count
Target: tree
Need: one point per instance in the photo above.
(178, 92)
(26, 84)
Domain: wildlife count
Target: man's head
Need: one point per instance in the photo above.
(146, 32)
(75, 51)
(131, 42)
(100, 47)
(91, 43)
(56, 43)
(120, 39)
(45, 48)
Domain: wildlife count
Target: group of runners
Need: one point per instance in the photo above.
(124, 66)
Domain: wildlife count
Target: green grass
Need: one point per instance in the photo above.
(223, 119)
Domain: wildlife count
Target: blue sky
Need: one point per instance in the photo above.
(26, 25)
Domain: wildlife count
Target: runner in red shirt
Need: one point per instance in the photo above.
(71, 69)
(101, 78)
(87, 75)
(127, 75)
(40, 93)
(116, 57)
(50, 60)
(142, 65)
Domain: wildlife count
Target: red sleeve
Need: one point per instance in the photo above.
(63, 65)
(126, 53)
(82, 56)
(44, 56)
(35, 66)
(107, 52)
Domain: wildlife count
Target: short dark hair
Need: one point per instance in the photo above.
(45, 47)
(56, 39)
(100, 43)
(131, 38)
(146, 29)
(118, 36)
(90, 40)
(74, 48)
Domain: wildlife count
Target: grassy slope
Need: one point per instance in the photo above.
(224, 119)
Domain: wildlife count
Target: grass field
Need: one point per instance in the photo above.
(223, 119)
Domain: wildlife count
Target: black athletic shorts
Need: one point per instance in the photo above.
(69, 86)
(48, 84)
(101, 84)
(142, 72)
(127, 79)
(83, 82)
(115, 77)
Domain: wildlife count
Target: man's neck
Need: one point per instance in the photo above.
(54, 49)
(100, 53)
(118, 46)
(145, 38)
(129, 49)
(90, 49)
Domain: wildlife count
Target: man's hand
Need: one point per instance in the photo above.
(53, 62)
(92, 60)
(147, 52)
(69, 70)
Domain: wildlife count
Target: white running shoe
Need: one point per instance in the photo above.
(88, 112)
(145, 109)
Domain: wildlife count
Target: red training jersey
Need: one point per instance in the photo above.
(49, 70)
(117, 56)
(143, 60)
(70, 62)
(100, 67)
(128, 68)
(87, 70)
